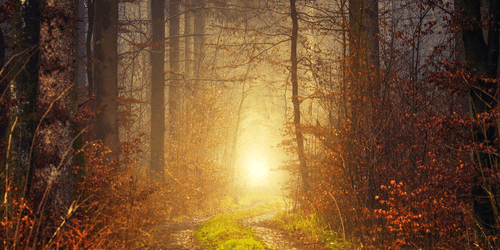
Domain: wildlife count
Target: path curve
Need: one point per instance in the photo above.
(276, 238)
(180, 235)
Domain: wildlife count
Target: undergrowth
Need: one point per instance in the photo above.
(224, 231)
(313, 225)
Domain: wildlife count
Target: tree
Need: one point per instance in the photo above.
(42, 137)
(157, 55)
(199, 29)
(482, 52)
(173, 88)
(26, 34)
(188, 44)
(295, 99)
(106, 73)
(88, 46)
(55, 110)
(363, 61)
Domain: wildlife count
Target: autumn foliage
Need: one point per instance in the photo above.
(392, 167)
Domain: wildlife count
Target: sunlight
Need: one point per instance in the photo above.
(258, 169)
(257, 166)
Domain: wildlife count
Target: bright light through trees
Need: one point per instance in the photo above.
(257, 167)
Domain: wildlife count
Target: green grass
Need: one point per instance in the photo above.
(313, 226)
(224, 231)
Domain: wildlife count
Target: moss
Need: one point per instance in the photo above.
(224, 231)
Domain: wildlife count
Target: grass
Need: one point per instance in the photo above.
(224, 231)
(313, 226)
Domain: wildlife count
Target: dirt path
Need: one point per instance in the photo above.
(275, 237)
(179, 235)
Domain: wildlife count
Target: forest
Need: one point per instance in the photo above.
(249, 124)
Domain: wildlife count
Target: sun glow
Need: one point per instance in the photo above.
(258, 169)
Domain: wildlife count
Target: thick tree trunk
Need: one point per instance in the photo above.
(106, 73)
(55, 109)
(23, 119)
(157, 59)
(296, 102)
(483, 56)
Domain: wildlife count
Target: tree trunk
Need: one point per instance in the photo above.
(174, 98)
(158, 90)
(364, 58)
(199, 27)
(55, 109)
(106, 73)
(88, 47)
(3, 86)
(173, 89)
(23, 119)
(364, 28)
(483, 56)
(295, 100)
(188, 44)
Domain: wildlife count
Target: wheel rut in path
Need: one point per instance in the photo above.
(179, 235)
(276, 238)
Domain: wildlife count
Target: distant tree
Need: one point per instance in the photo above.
(88, 45)
(173, 87)
(106, 73)
(199, 29)
(188, 44)
(363, 61)
(295, 98)
(157, 163)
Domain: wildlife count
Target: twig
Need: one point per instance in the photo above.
(340, 215)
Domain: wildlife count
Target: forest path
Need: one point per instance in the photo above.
(276, 238)
(180, 235)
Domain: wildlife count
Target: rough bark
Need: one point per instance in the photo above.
(23, 119)
(158, 90)
(55, 109)
(106, 73)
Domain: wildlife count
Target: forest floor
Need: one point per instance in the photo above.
(180, 235)
(276, 238)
